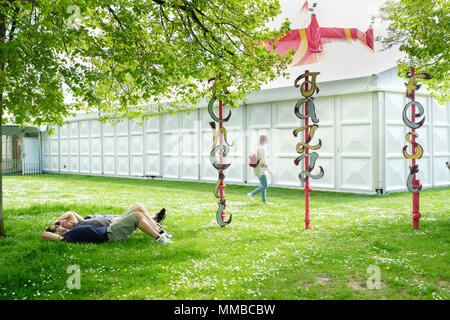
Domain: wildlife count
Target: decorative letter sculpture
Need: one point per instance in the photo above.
(219, 137)
(307, 89)
(412, 183)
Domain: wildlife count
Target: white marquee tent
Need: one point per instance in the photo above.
(361, 129)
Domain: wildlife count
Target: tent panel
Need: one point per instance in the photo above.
(171, 167)
(55, 150)
(152, 165)
(64, 163)
(137, 144)
(189, 121)
(440, 171)
(441, 140)
(355, 140)
(95, 146)
(123, 148)
(122, 145)
(122, 127)
(64, 146)
(46, 163)
(208, 173)
(64, 153)
(73, 129)
(258, 116)
(108, 146)
(356, 174)
(96, 164)
(237, 118)
(287, 172)
(236, 138)
(96, 128)
(84, 129)
(74, 159)
(108, 129)
(395, 103)
(441, 144)
(45, 149)
(425, 174)
(394, 143)
(85, 152)
(152, 124)
(64, 131)
(189, 167)
(84, 146)
(123, 165)
(74, 164)
(52, 164)
(171, 145)
(152, 145)
(85, 164)
(189, 155)
(234, 173)
(136, 128)
(109, 165)
(396, 174)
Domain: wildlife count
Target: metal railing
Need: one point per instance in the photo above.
(31, 167)
(11, 165)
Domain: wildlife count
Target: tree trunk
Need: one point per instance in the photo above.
(2, 40)
(2, 228)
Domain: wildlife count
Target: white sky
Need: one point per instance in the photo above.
(332, 13)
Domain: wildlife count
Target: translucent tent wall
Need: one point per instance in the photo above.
(361, 130)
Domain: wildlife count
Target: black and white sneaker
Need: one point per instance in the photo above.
(163, 239)
(161, 215)
(168, 235)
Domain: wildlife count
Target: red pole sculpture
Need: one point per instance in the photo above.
(222, 184)
(416, 182)
(412, 183)
(307, 89)
(220, 145)
(307, 189)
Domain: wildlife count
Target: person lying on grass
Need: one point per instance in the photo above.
(119, 229)
(71, 219)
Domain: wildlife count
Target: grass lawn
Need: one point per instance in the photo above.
(264, 254)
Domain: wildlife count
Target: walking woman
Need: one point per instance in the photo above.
(261, 170)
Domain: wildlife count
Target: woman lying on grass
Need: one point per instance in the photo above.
(71, 227)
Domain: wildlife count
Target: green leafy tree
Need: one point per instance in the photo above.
(421, 28)
(119, 57)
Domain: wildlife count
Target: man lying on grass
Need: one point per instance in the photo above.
(71, 219)
(71, 227)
